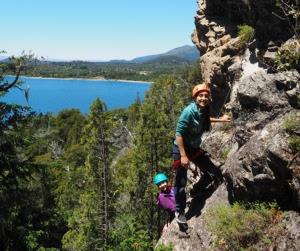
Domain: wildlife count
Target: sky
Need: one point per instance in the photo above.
(95, 30)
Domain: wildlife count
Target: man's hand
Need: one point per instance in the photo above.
(226, 118)
(185, 161)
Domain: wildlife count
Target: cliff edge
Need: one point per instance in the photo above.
(256, 153)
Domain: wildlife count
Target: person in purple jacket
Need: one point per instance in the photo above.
(166, 200)
(166, 195)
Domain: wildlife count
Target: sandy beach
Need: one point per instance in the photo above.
(91, 79)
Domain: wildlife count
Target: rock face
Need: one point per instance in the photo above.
(199, 238)
(216, 30)
(261, 164)
(256, 157)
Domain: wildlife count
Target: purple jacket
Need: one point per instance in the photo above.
(166, 200)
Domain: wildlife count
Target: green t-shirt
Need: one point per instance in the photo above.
(190, 125)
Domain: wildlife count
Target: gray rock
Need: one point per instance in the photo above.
(255, 155)
(260, 169)
(200, 237)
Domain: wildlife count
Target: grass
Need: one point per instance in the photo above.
(163, 247)
(288, 56)
(224, 154)
(292, 126)
(245, 33)
(294, 142)
(244, 227)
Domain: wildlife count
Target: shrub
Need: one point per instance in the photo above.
(292, 126)
(129, 235)
(294, 142)
(288, 56)
(239, 227)
(224, 154)
(245, 33)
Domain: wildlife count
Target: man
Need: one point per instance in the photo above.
(193, 122)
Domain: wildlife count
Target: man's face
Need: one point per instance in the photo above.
(202, 99)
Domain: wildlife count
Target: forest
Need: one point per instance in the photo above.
(147, 71)
(75, 182)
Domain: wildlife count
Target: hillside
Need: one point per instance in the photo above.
(186, 53)
(147, 68)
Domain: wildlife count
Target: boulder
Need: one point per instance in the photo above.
(260, 170)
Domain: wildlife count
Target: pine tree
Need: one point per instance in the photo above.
(91, 220)
(98, 161)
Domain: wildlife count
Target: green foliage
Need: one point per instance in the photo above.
(128, 235)
(69, 124)
(27, 209)
(239, 227)
(294, 142)
(90, 217)
(163, 247)
(292, 126)
(70, 180)
(288, 56)
(149, 71)
(31, 239)
(80, 224)
(245, 33)
(224, 154)
(134, 113)
(193, 75)
(14, 67)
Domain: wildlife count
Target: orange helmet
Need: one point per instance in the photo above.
(200, 88)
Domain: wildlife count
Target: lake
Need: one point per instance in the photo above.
(54, 94)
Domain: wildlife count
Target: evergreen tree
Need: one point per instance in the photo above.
(27, 211)
(91, 220)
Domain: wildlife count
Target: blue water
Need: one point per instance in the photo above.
(53, 95)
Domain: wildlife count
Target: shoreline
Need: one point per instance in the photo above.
(90, 79)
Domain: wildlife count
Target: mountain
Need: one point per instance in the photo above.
(3, 58)
(183, 54)
(167, 60)
(186, 52)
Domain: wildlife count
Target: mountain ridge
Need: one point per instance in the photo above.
(186, 52)
(183, 53)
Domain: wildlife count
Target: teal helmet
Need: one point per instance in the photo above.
(159, 178)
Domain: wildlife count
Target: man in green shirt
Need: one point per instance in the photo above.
(193, 121)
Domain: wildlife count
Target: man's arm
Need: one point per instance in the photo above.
(224, 118)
